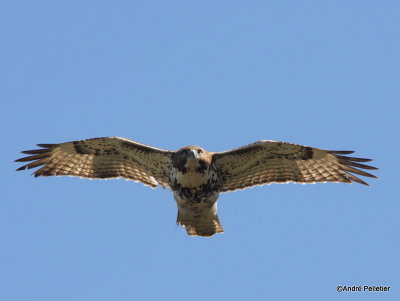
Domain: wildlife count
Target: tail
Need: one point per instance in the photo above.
(205, 225)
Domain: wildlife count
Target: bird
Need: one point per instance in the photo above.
(195, 176)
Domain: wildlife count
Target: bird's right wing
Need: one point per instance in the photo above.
(102, 158)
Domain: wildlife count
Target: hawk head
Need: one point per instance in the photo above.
(191, 158)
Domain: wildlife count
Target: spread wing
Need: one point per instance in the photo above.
(102, 158)
(266, 162)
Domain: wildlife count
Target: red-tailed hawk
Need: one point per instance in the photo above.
(195, 176)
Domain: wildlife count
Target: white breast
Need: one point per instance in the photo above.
(191, 179)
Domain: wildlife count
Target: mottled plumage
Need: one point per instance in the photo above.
(195, 176)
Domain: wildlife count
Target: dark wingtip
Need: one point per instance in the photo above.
(21, 168)
(335, 152)
(21, 160)
(36, 151)
(37, 156)
(352, 166)
(353, 178)
(47, 145)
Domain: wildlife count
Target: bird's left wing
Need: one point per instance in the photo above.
(266, 162)
(102, 158)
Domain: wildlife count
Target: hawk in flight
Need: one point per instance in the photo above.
(196, 176)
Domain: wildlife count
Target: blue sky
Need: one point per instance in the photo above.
(219, 74)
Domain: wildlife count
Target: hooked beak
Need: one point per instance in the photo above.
(191, 154)
(191, 160)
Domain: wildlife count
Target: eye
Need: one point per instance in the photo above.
(199, 151)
